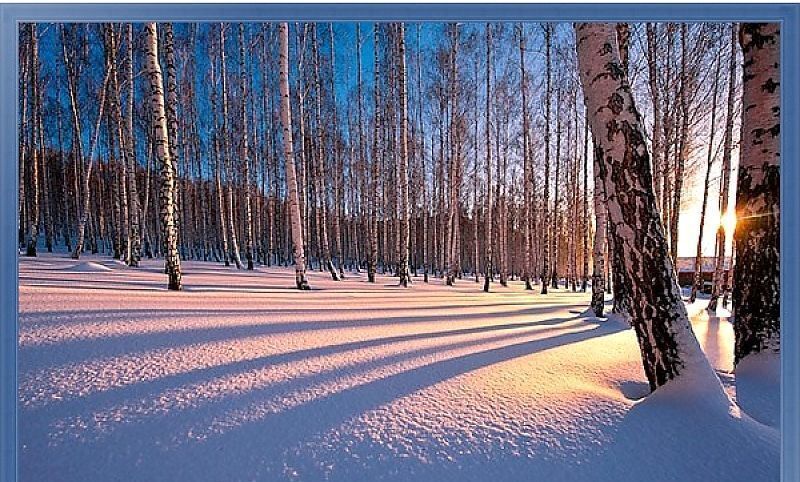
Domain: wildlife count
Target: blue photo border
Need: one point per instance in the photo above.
(788, 14)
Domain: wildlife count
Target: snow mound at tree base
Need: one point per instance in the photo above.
(758, 387)
(88, 267)
(679, 432)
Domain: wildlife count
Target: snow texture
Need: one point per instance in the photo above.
(242, 377)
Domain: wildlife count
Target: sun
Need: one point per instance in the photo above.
(728, 221)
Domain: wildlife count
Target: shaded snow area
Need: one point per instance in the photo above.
(240, 377)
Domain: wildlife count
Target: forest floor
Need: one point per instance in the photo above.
(241, 377)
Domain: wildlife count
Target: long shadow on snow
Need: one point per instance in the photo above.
(70, 351)
(146, 389)
(246, 451)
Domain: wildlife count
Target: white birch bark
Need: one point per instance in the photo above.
(288, 151)
(658, 315)
(162, 148)
(403, 270)
(756, 291)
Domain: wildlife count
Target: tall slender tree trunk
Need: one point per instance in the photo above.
(546, 201)
(556, 225)
(130, 157)
(756, 291)
(403, 271)
(697, 279)
(119, 133)
(171, 106)
(454, 257)
(217, 155)
(527, 168)
(489, 193)
(718, 285)
(83, 212)
(658, 315)
(655, 94)
(372, 263)
(600, 230)
(585, 218)
(24, 65)
(162, 147)
(683, 149)
(422, 154)
(321, 192)
(35, 151)
(226, 155)
(288, 151)
(248, 208)
(337, 168)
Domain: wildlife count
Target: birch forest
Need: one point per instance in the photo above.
(449, 153)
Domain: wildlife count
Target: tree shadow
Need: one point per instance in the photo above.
(75, 350)
(257, 448)
(145, 388)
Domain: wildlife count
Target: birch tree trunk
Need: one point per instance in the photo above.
(527, 169)
(425, 256)
(83, 212)
(600, 230)
(226, 155)
(655, 94)
(288, 152)
(118, 132)
(130, 155)
(248, 209)
(489, 194)
(658, 315)
(217, 155)
(372, 263)
(24, 65)
(162, 148)
(32, 238)
(556, 225)
(403, 271)
(453, 262)
(172, 115)
(546, 201)
(585, 218)
(756, 291)
(321, 173)
(718, 281)
(337, 167)
(682, 151)
(697, 279)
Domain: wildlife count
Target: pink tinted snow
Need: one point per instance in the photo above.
(240, 377)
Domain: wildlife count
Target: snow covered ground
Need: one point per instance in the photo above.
(240, 377)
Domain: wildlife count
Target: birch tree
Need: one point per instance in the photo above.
(34, 148)
(162, 148)
(226, 155)
(403, 271)
(658, 315)
(718, 285)
(526, 159)
(489, 194)
(756, 291)
(546, 201)
(130, 157)
(248, 208)
(320, 183)
(288, 153)
(697, 279)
